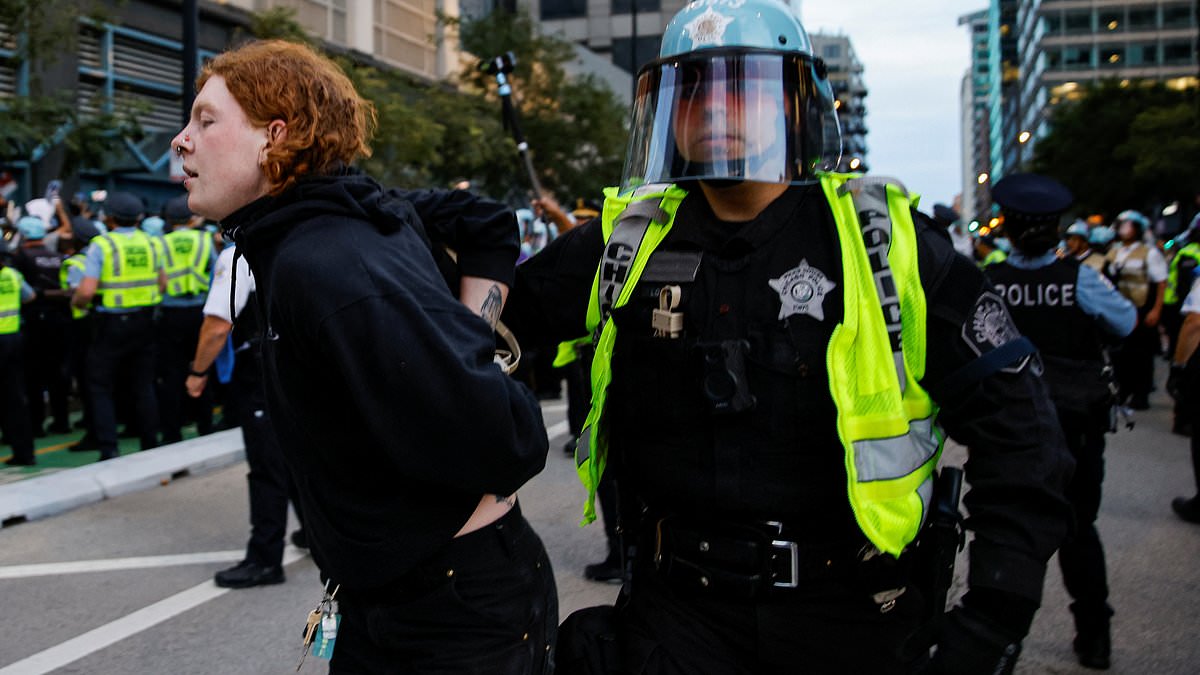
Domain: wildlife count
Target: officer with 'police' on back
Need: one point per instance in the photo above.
(777, 350)
(1066, 309)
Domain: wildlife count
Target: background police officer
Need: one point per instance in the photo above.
(1067, 309)
(190, 256)
(125, 269)
(1140, 273)
(79, 336)
(268, 479)
(44, 327)
(773, 421)
(14, 415)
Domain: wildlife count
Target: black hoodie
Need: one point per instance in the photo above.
(380, 383)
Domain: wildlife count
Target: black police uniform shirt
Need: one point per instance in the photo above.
(782, 459)
(40, 266)
(392, 417)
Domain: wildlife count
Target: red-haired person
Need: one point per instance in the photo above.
(407, 443)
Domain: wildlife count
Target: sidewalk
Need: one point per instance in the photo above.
(59, 482)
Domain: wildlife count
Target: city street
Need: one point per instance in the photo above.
(124, 585)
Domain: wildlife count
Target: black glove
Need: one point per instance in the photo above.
(970, 644)
(1175, 380)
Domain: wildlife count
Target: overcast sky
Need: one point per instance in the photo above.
(914, 55)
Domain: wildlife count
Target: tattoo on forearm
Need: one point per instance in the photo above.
(511, 500)
(490, 309)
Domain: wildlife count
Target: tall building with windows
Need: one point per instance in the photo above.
(627, 32)
(976, 119)
(401, 33)
(137, 57)
(850, 90)
(1066, 43)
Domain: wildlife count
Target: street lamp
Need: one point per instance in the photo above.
(983, 178)
(855, 163)
(1024, 137)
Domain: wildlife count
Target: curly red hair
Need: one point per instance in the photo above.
(328, 122)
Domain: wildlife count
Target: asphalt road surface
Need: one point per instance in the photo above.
(124, 585)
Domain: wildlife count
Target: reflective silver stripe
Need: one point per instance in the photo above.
(6, 314)
(129, 284)
(118, 300)
(583, 447)
(925, 492)
(199, 251)
(896, 457)
(621, 249)
(869, 195)
(112, 253)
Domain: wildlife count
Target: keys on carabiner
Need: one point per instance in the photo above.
(318, 618)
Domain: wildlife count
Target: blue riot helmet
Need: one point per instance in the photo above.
(31, 228)
(152, 225)
(736, 94)
(1102, 236)
(1078, 229)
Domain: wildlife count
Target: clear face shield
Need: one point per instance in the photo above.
(715, 115)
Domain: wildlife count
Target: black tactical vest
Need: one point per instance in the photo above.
(1044, 306)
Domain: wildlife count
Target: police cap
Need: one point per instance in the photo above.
(124, 206)
(83, 230)
(176, 210)
(31, 227)
(1031, 198)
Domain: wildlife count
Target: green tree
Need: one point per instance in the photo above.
(42, 119)
(575, 126)
(1124, 146)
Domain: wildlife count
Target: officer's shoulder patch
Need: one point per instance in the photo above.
(989, 326)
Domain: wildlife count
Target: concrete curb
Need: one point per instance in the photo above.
(63, 490)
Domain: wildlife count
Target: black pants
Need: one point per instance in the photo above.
(46, 352)
(79, 337)
(14, 413)
(1135, 362)
(178, 332)
(269, 481)
(485, 604)
(123, 349)
(1082, 556)
(1190, 406)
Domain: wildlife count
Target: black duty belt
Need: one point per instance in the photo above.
(746, 560)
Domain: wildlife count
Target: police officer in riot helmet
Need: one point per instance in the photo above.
(1067, 309)
(777, 349)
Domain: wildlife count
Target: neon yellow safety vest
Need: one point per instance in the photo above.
(568, 352)
(188, 252)
(875, 357)
(996, 256)
(1171, 296)
(129, 275)
(77, 261)
(10, 300)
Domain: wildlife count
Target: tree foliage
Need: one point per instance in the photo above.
(1119, 147)
(575, 126)
(44, 118)
(434, 134)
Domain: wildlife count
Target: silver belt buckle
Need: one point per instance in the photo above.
(793, 550)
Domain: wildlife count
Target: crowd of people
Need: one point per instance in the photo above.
(767, 358)
(112, 322)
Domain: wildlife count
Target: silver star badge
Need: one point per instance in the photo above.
(708, 28)
(802, 290)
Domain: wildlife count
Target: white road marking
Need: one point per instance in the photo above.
(131, 624)
(558, 430)
(116, 564)
(554, 407)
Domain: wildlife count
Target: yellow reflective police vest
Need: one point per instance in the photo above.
(875, 357)
(10, 300)
(78, 262)
(568, 352)
(1172, 296)
(129, 275)
(996, 256)
(187, 254)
